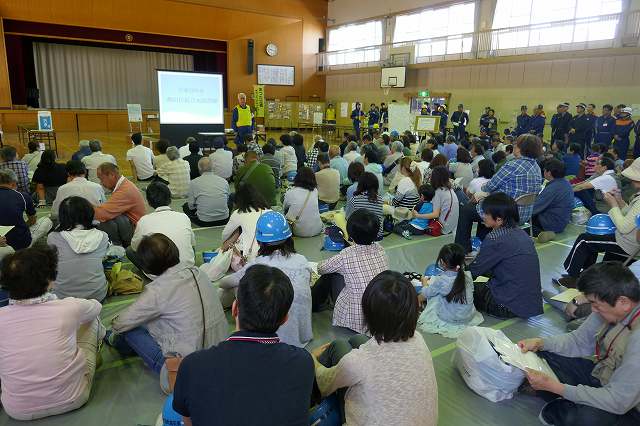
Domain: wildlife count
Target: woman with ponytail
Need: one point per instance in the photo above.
(449, 296)
(407, 191)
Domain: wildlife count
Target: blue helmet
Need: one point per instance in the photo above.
(577, 202)
(600, 224)
(432, 270)
(394, 133)
(475, 243)
(169, 416)
(638, 221)
(291, 176)
(272, 227)
(323, 207)
(331, 245)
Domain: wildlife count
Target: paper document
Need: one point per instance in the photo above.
(567, 296)
(481, 279)
(4, 230)
(314, 266)
(512, 355)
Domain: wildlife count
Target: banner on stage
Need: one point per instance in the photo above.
(135, 113)
(258, 99)
(45, 123)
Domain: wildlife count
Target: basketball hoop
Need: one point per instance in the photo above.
(388, 87)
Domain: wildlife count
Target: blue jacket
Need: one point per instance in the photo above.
(623, 128)
(571, 164)
(355, 116)
(604, 128)
(523, 123)
(461, 118)
(536, 124)
(374, 118)
(509, 257)
(554, 205)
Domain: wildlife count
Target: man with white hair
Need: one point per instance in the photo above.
(83, 150)
(207, 199)
(93, 161)
(242, 121)
(176, 173)
(15, 205)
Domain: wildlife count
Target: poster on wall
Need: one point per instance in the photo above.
(134, 111)
(258, 99)
(45, 123)
(317, 118)
(344, 109)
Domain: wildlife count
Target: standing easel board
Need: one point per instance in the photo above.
(400, 117)
(427, 123)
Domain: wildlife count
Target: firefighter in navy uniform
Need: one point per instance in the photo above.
(561, 124)
(537, 122)
(622, 130)
(604, 126)
(580, 129)
(459, 120)
(523, 121)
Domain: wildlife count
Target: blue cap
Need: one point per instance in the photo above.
(272, 227)
(600, 224)
(577, 202)
(394, 133)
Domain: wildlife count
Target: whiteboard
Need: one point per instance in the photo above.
(400, 117)
(276, 75)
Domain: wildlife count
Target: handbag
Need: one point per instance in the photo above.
(292, 222)
(172, 363)
(219, 266)
(435, 226)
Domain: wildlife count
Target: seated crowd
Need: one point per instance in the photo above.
(513, 188)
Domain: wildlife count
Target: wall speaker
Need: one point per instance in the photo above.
(250, 56)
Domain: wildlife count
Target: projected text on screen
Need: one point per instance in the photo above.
(190, 98)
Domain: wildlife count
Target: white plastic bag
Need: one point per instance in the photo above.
(218, 266)
(580, 216)
(481, 367)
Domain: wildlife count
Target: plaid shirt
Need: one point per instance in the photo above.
(358, 265)
(178, 174)
(312, 158)
(21, 170)
(515, 178)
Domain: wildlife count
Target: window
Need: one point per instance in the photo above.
(440, 29)
(355, 37)
(588, 24)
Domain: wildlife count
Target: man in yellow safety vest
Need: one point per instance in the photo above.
(242, 121)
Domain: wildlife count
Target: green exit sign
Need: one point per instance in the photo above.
(423, 94)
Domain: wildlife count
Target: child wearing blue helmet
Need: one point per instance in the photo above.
(274, 238)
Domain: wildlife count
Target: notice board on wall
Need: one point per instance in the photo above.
(276, 75)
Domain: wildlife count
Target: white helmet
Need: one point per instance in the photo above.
(627, 110)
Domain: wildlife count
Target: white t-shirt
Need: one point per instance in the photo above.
(93, 161)
(184, 151)
(423, 166)
(476, 185)
(174, 225)
(605, 182)
(142, 158)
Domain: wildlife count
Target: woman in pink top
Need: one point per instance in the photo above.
(48, 345)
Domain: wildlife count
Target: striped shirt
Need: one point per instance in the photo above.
(21, 170)
(406, 194)
(362, 201)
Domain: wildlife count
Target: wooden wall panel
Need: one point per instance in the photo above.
(118, 122)
(92, 122)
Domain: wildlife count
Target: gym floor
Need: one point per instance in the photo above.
(126, 393)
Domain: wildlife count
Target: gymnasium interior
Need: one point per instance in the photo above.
(91, 66)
